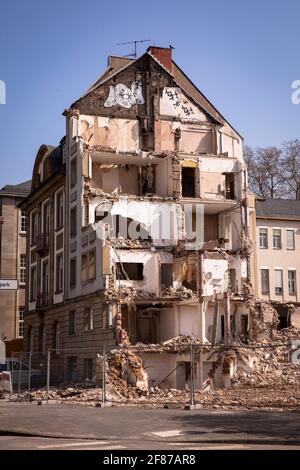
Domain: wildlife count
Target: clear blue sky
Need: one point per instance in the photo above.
(242, 55)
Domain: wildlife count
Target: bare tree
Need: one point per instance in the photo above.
(265, 172)
(291, 168)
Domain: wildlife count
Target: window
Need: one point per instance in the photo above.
(56, 336)
(45, 279)
(265, 285)
(59, 209)
(88, 319)
(30, 339)
(229, 186)
(73, 272)
(73, 172)
(46, 218)
(244, 324)
(59, 273)
(34, 227)
(166, 272)
(131, 271)
(23, 225)
(33, 284)
(88, 265)
(72, 325)
(71, 368)
(21, 322)
(88, 369)
(292, 281)
(22, 269)
(290, 239)
(84, 268)
(263, 238)
(73, 222)
(276, 238)
(43, 339)
(92, 264)
(188, 178)
(278, 281)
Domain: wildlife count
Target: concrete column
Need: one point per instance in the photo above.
(227, 333)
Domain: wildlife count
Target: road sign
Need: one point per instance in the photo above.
(8, 284)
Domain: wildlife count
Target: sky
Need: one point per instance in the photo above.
(243, 56)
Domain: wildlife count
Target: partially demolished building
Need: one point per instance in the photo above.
(140, 224)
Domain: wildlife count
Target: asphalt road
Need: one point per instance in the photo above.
(30, 426)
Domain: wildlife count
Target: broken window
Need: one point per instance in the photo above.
(244, 324)
(166, 270)
(229, 186)
(283, 316)
(188, 182)
(263, 238)
(148, 176)
(131, 271)
(265, 285)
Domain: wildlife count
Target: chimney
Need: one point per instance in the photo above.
(163, 55)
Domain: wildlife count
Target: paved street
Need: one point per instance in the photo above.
(48, 427)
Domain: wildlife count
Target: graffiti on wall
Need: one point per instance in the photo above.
(124, 96)
(175, 103)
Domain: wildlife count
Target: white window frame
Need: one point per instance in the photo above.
(290, 230)
(264, 292)
(275, 237)
(22, 223)
(291, 270)
(21, 321)
(266, 238)
(22, 278)
(278, 288)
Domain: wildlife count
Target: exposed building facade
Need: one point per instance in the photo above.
(146, 160)
(278, 260)
(13, 226)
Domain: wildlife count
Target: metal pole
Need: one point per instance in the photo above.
(192, 376)
(104, 377)
(12, 371)
(29, 375)
(48, 373)
(20, 374)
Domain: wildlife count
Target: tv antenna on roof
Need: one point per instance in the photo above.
(134, 54)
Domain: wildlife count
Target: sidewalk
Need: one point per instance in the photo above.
(85, 422)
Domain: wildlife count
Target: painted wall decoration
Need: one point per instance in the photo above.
(124, 96)
(174, 103)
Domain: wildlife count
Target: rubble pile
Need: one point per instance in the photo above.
(126, 375)
(180, 344)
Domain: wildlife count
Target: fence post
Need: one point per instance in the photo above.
(192, 376)
(29, 375)
(48, 373)
(104, 377)
(20, 374)
(12, 371)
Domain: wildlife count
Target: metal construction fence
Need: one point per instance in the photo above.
(57, 368)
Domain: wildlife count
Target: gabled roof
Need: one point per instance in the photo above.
(16, 190)
(278, 208)
(118, 64)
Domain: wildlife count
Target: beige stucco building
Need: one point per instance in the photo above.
(278, 257)
(12, 264)
(146, 158)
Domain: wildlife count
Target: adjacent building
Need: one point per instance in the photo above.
(13, 227)
(139, 223)
(278, 260)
